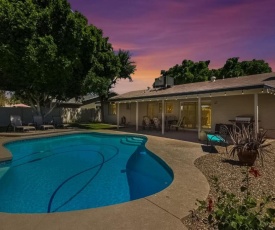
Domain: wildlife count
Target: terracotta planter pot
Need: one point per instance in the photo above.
(247, 157)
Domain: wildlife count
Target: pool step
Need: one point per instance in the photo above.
(132, 141)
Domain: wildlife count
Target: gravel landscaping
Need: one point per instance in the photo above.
(230, 176)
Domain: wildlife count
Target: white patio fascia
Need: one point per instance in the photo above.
(199, 97)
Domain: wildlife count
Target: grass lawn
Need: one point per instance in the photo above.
(95, 126)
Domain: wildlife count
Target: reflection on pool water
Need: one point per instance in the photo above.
(79, 171)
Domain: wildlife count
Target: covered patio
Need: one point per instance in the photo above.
(225, 99)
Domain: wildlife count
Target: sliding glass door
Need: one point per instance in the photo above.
(190, 112)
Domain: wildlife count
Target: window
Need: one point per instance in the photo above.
(128, 106)
(112, 109)
(151, 110)
(206, 115)
(169, 107)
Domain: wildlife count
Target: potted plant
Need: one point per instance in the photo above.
(248, 145)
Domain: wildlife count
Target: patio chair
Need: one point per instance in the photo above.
(16, 123)
(57, 121)
(38, 121)
(146, 123)
(157, 124)
(219, 137)
(179, 124)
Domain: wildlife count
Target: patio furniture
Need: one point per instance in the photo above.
(123, 121)
(38, 121)
(219, 137)
(157, 124)
(16, 123)
(58, 123)
(146, 123)
(179, 124)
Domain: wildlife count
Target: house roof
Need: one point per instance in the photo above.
(266, 80)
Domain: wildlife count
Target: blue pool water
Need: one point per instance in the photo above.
(79, 171)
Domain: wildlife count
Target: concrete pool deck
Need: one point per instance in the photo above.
(163, 210)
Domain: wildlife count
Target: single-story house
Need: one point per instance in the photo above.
(202, 104)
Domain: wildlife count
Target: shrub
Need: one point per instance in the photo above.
(248, 144)
(230, 212)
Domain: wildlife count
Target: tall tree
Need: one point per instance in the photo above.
(189, 72)
(127, 67)
(109, 68)
(255, 67)
(234, 68)
(45, 52)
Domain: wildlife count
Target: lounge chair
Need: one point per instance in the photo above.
(16, 123)
(38, 121)
(178, 125)
(57, 121)
(219, 137)
(146, 123)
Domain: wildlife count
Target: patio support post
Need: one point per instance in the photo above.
(117, 117)
(162, 118)
(199, 117)
(256, 113)
(136, 116)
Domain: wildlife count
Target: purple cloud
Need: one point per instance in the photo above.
(162, 33)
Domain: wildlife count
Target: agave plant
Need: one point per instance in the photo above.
(248, 142)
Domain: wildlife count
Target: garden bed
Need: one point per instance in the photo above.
(229, 172)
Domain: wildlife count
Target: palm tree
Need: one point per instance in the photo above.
(128, 67)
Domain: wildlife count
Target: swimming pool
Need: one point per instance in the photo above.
(79, 171)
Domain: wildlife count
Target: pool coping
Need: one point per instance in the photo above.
(163, 210)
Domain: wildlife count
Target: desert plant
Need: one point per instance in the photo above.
(248, 143)
(230, 212)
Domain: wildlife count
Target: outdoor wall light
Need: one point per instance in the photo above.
(224, 93)
(242, 91)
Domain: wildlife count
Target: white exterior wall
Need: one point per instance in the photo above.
(143, 110)
(226, 108)
(267, 113)
(109, 118)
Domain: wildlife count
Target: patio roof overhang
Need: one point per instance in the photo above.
(233, 91)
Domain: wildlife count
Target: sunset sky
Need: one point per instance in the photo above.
(162, 33)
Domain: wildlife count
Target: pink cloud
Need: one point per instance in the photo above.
(162, 33)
